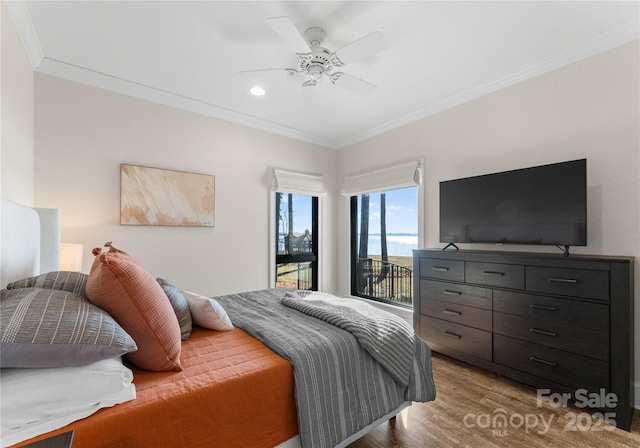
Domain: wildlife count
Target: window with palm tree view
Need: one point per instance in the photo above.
(384, 232)
(297, 241)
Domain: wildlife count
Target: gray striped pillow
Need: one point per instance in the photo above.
(180, 307)
(63, 280)
(53, 328)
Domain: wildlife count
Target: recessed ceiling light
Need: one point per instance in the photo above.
(257, 91)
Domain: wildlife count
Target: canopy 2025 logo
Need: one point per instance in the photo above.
(500, 422)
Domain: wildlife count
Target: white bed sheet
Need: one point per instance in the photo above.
(36, 401)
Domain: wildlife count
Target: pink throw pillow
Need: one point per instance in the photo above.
(122, 287)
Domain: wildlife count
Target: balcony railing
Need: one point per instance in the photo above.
(385, 281)
(294, 275)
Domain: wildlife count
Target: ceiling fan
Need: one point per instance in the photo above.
(315, 61)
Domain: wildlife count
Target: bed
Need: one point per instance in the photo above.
(258, 368)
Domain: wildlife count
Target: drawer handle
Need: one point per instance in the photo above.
(534, 306)
(440, 269)
(542, 361)
(546, 333)
(448, 292)
(452, 335)
(562, 280)
(493, 273)
(454, 313)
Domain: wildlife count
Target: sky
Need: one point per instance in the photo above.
(301, 212)
(402, 213)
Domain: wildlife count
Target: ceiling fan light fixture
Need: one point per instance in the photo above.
(315, 61)
(315, 72)
(257, 91)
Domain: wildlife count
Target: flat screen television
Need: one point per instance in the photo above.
(542, 205)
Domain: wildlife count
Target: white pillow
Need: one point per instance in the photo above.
(35, 401)
(208, 313)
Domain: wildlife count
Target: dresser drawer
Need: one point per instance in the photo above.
(455, 293)
(495, 274)
(585, 342)
(571, 370)
(442, 269)
(456, 337)
(594, 316)
(459, 314)
(569, 282)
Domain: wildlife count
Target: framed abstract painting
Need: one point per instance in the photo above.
(161, 197)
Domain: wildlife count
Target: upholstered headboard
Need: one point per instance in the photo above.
(29, 242)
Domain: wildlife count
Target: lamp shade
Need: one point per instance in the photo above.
(71, 257)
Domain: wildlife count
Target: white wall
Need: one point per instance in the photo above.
(587, 109)
(82, 136)
(16, 115)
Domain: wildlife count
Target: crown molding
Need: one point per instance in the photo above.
(26, 30)
(42, 64)
(591, 47)
(138, 90)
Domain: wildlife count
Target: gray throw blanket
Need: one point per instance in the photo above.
(340, 387)
(387, 337)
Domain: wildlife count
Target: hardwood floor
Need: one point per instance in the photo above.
(468, 399)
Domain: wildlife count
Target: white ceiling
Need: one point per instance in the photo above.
(189, 54)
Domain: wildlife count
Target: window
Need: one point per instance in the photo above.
(295, 229)
(384, 232)
(385, 222)
(297, 240)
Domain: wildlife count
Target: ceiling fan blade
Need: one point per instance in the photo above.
(261, 70)
(289, 71)
(287, 31)
(362, 48)
(352, 83)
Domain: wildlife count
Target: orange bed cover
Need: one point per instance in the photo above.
(232, 392)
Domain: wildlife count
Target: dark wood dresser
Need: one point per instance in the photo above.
(553, 322)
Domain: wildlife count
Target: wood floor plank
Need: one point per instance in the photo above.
(468, 399)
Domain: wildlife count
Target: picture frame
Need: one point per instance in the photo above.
(164, 197)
